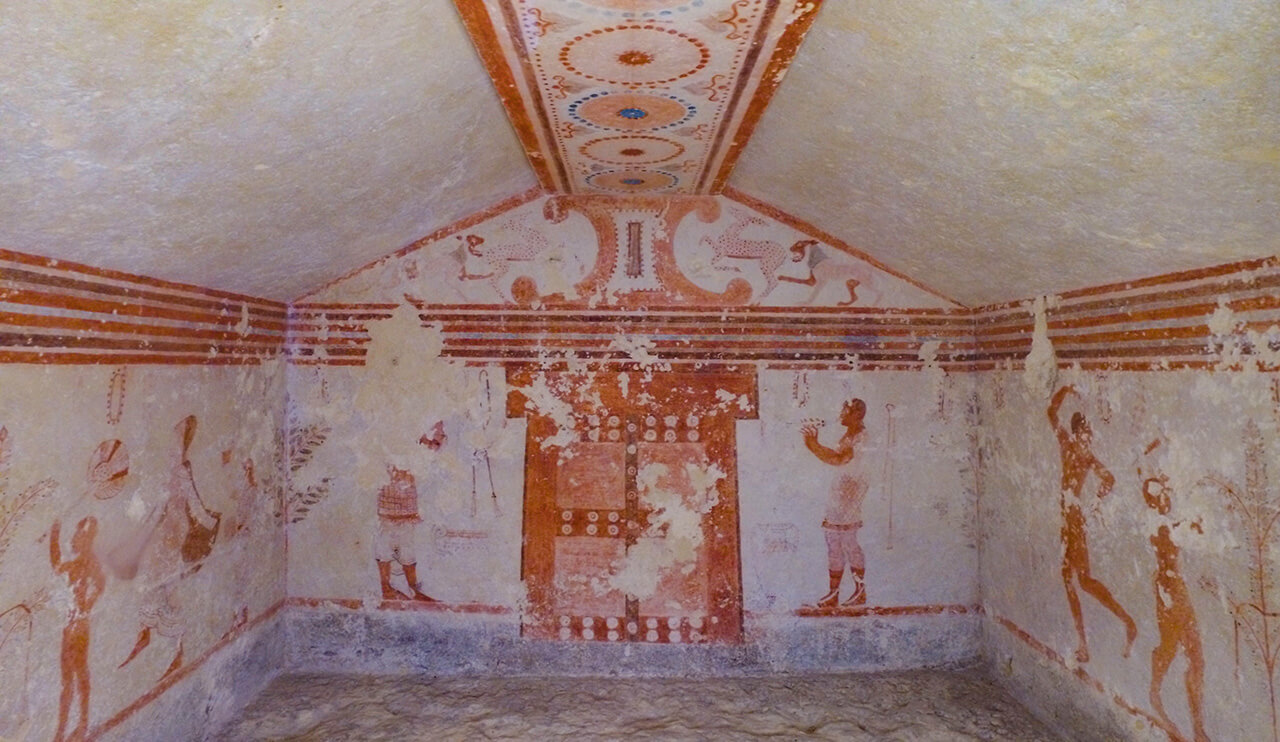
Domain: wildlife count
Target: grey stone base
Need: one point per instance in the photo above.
(201, 703)
(442, 643)
(1055, 695)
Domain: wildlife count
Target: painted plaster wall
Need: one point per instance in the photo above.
(99, 457)
(507, 528)
(1207, 439)
(919, 515)
(362, 422)
(920, 506)
(1059, 145)
(296, 141)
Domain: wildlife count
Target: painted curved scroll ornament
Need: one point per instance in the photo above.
(667, 213)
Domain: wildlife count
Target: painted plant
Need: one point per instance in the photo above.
(14, 506)
(302, 443)
(17, 621)
(1256, 507)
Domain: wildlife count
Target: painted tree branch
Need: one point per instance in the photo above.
(1257, 508)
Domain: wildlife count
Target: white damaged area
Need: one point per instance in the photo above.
(730, 399)
(542, 400)
(639, 350)
(405, 388)
(1238, 346)
(933, 371)
(1041, 365)
(677, 506)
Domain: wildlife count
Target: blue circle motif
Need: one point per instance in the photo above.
(633, 113)
(690, 112)
(631, 181)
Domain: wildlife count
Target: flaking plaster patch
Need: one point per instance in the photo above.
(639, 350)
(1222, 322)
(403, 363)
(933, 371)
(1041, 369)
(675, 529)
(541, 399)
(730, 399)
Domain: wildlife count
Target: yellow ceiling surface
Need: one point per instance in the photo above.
(990, 150)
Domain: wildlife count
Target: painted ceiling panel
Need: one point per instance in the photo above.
(260, 147)
(996, 150)
(635, 96)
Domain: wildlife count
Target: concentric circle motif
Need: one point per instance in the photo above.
(632, 181)
(635, 55)
(631, 150)
(631, 111)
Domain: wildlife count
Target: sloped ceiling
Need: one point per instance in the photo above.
(991, 150)
(996, 150)
(258, 147)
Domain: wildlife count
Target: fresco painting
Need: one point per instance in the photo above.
(1078, 462)
(1179, 554)
(1161, 406)
(656, 421)
(1255, 506)
(1175, 612)
(398, 519)
(87, 581)
(828, 543)
(424, 441)
(17, 630)
(577, 251)
(131, 515)
(843, 515)
(628, 106)
(629, 504)
(173, 540)
(130, 544)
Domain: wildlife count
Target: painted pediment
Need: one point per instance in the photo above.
(595, 252)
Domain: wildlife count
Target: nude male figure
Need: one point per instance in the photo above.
(1175, 615)
(87, 581)
(1078, 461)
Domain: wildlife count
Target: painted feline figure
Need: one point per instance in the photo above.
(730, 244)
(826, 270)
(524, 244)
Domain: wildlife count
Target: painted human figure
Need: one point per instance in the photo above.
(843, 515)
(87, 581)
(183, 534)
(1175, 615)
(1078, 461)
(398, 521)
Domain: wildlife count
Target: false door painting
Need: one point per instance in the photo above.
(631, 507)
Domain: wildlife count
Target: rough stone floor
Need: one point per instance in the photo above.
(916, 706)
